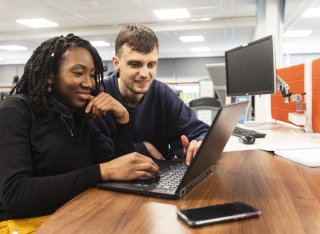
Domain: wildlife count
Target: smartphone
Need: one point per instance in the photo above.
(217, 213)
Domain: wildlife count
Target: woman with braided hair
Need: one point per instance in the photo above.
(49, 150)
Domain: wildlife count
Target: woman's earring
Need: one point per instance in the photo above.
(49, 89)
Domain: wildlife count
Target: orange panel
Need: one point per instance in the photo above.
(294, 77)
(316, 95)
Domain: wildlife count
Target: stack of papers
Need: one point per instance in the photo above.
(309, 157)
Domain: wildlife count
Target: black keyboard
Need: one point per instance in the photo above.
(168, 180)
(246, 132)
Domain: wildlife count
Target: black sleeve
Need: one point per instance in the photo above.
(22, 194)
(182, 121)
(118, 135)
(123, 143)
(124, 140)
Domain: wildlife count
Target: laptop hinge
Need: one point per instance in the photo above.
(191, 184)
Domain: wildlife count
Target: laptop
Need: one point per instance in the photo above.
(176, 179)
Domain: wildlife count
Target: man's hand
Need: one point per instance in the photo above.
(153, 151)
(104, 103)
(190, 148)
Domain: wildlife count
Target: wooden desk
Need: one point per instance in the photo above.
(287, 193)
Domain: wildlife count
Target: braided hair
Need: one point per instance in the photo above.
(44, 62)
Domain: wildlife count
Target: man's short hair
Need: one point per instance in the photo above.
(138, 37)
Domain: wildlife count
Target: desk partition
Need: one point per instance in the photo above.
(316, 95)
(294, 77)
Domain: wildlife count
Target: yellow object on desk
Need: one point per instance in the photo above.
(21, 226)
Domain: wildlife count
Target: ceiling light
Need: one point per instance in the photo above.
(13, 47)
(297, 33)
(200, 49)
(99, 43)
(201, 19)
(37, 23)
(312, 12)
(191, 38)
(90, 3)
(181, 13)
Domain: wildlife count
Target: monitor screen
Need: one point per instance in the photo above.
(217, 73)
(250, 69)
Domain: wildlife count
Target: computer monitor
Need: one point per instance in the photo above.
(250, 69)
(217, 73)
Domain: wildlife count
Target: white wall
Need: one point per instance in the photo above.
(7, 72)
(171, 69)
(294, 59)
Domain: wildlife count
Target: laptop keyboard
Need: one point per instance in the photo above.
(246, 132)
(168, 180)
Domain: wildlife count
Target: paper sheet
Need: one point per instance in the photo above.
(309, 157)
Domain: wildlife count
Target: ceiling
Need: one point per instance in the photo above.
(232, 23)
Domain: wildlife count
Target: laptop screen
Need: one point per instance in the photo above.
(212, 146)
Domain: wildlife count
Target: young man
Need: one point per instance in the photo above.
(162, 124)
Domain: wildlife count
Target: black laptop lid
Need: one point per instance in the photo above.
(216, 138)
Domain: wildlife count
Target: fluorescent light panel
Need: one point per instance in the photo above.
(297, 33)
(100, 43)
(37, 23)
(201, 19)
(13, 47)
(181, 13)
(200, 49)
(191, 38)
(312, 12)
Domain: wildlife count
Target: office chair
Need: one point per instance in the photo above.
(205, 102)
(205, 108)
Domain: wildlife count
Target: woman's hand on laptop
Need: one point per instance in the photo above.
(190, 148)
(129, 167)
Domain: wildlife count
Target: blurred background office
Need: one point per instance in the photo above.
(192, 34)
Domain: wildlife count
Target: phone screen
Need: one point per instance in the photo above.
(217, 213)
